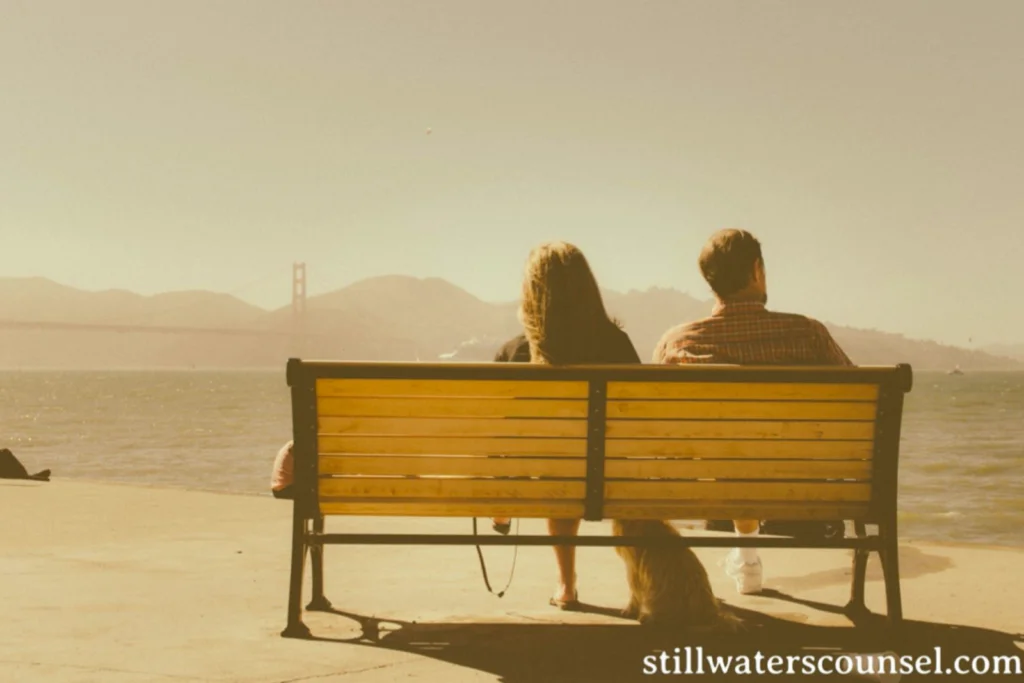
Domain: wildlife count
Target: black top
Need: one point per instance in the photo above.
(515, 350)
(617, 348)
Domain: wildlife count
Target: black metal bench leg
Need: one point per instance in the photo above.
(319, 603)
(856, 605)
(891, 571)
(295, 627)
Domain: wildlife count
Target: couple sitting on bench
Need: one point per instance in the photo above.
(565, 323)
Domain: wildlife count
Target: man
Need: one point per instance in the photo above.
(742, 331)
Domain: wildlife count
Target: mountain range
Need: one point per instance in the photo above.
(383, 318)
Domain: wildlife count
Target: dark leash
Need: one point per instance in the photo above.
(483, 565)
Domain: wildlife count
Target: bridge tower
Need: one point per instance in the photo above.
(298, 309)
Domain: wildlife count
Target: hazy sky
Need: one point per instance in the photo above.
(875, 147)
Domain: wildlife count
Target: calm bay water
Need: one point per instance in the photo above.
(962, 461)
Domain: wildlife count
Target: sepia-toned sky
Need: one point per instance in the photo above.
(875, 147)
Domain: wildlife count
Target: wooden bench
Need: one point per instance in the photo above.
(627, 442)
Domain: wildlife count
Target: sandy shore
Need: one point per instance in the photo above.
(115, 584)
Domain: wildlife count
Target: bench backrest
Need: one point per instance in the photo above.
(628, 442)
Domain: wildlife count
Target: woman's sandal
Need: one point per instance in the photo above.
(567, 605)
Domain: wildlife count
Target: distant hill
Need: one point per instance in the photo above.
(382, 318)
(42, 299)
(871, 347)
(396, 317)
(1010, 350)
(647, 314)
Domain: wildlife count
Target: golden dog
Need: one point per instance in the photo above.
(667, 584)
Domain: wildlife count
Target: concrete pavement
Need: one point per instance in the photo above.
(123, 584)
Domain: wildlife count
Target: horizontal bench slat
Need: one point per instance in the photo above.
(630, 509)
(742, 410)
(456, 445)
(468, 466)
(749, 449)
(753, 509)
(737, 491)
(368, 487)
(409, 507)
(736, 469)
(405, 406)
(728, 429)
(451, 387)
(746, 391)
(428, 426)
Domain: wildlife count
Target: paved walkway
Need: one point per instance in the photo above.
(120, 584)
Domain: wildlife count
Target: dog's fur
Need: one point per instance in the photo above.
(667, 584)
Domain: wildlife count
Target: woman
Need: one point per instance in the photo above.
(565, 323)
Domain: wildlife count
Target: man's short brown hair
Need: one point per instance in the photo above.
(727, 261)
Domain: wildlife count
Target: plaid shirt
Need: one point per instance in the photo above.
(745, 333)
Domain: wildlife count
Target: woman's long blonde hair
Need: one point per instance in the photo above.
(562, 313)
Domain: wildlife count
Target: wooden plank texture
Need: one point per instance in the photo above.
(742, 410)
(757, 391)
(457, 445)
(451, 407)
(451, 388)
(407, 507)
(738, 491)
(428, 426)
(730, 429)
(471, 466)
(382, 487)
(764, 510)
(749, 449)
(637, 468)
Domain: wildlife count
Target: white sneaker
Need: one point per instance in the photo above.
(747, 575)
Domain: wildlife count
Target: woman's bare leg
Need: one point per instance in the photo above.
(565, 555)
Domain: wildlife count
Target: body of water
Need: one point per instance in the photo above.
(962, 460)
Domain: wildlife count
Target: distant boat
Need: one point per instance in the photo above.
(956, 371)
